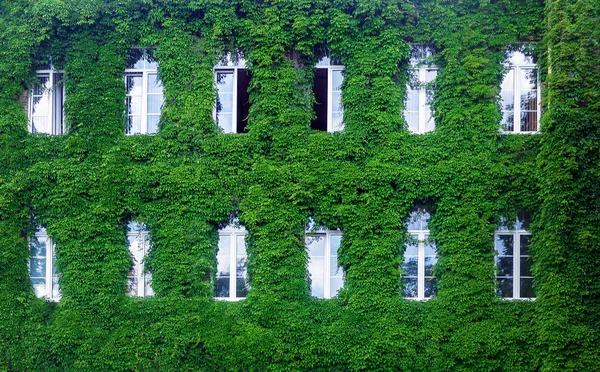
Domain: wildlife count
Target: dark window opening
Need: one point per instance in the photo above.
(320, 105)
(243, 100)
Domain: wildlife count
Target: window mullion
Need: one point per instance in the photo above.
(516, 262)
(421, 267)
(234, 116)
(422, 99)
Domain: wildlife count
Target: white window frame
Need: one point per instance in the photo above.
(233, 67)
(325, 63)
(130, 72)
(56, 82)
(233, 231)
(516, 277)
(50, 278)
(517, 84)
(326, 234)
(421, 216)
(419, 68)
(138, 239)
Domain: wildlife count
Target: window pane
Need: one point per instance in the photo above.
(148, 291)
(336, 102)
(525, 266)
(241, 288)
(334, 269)
(154, 84)
(315, 245)
(134, 85)
(412, 247)
(410, 287)
(335, 285)
(39, 286)
(240, 266)
(55, 288)
(527, 288)
(505, 266)
(225, 81)
(410, 266)
(134, 125)
(155, 103)
(38, 247)
(37, 267)
(336, 80)
(153, 123)
(317, 289)
(134, 105)
(336, 240)
(240, 245)
(429, 262)
(316, 267)
(224, 122)
(505, 287)
(337, 121)
(504, 245)
(525, 239)
(529, 122)
(132, 286)
(430, 287)
(222, 287)
(430, 75)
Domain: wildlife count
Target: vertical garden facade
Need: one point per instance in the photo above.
(299, 185)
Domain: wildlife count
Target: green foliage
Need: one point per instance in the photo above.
(189, 179)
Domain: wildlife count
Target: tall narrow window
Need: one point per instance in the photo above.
(520, 94)
(42, 269)
(232, 278)
(45, 104)
(144, 93)
(233, 100)
(322, 246)
(138, 281)
(419, 258)
(419, 91)
(327, 88)
(513, 262)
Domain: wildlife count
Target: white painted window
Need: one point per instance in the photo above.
(138, 281)
(144, 93)
(419, 90)
(327, 88)
(46, 101)
(322, 245)
(419, 258)
(232, 278)
(232, 80)
(513, 262)
(42, 270)
(520, 94)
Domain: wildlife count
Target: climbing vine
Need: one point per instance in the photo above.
(190, 179)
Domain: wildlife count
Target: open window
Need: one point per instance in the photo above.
(513, 262)
(232, 277)
(42, 268)
(520, 93)
(419, 91)
(138, 280)
(232, 80)
(46, 102)
(419, 258)
(144, 92)
(327, 89)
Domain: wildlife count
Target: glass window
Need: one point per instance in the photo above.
(42, 269)
(45, 103)
(138, 281)
(232, 106)
(327, 89)
(419, 91)
(232, 278)
(513, 263)
(520, 93)
(144, 99)
(322, 246)
(419, 258)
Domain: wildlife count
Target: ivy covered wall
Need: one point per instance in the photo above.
(189, 179)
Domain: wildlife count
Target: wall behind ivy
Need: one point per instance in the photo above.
(190, 179)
